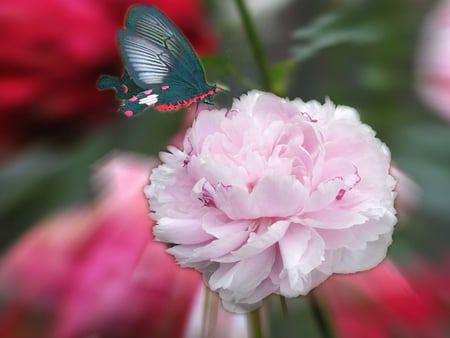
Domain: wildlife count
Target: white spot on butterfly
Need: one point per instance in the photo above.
(149, 100)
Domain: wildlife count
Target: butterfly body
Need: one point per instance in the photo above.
(161, 68)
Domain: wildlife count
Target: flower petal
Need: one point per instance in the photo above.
(257, 244)
(245, 275)
(181, 231)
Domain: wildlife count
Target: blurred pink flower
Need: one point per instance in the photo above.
(95, 272)
(433, 66)
(53, 51)
(408, 193)
(273, 196)
(385, 303)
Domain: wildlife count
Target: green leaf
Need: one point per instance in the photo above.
(330, 30)
(321, 24)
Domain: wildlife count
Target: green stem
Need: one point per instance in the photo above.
(320, 317)
(284, 309)
(254, 323)
(210, 314)
(205, 314)
(239, 77)
(255, 43)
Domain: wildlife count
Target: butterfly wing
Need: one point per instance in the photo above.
(156, 55)
(153, 25)
(124, 86)
(148, 63)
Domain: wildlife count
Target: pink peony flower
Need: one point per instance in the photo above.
(274, 196)
(433, 67)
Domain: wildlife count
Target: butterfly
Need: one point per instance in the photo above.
(161, 67)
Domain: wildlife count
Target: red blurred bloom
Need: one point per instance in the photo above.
(384, 303)
(95, 272)
(52, 52)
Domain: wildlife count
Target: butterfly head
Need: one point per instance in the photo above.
(221, 87)
(208, 97)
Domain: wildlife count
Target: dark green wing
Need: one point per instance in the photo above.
(153, 49)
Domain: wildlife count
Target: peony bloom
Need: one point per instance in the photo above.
(274, 196)
(413, 304)
(94, 272)
(53, 51)
(433, 66)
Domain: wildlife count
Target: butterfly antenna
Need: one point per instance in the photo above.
(197, 104)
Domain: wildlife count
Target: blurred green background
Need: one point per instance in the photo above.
(360, 53)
